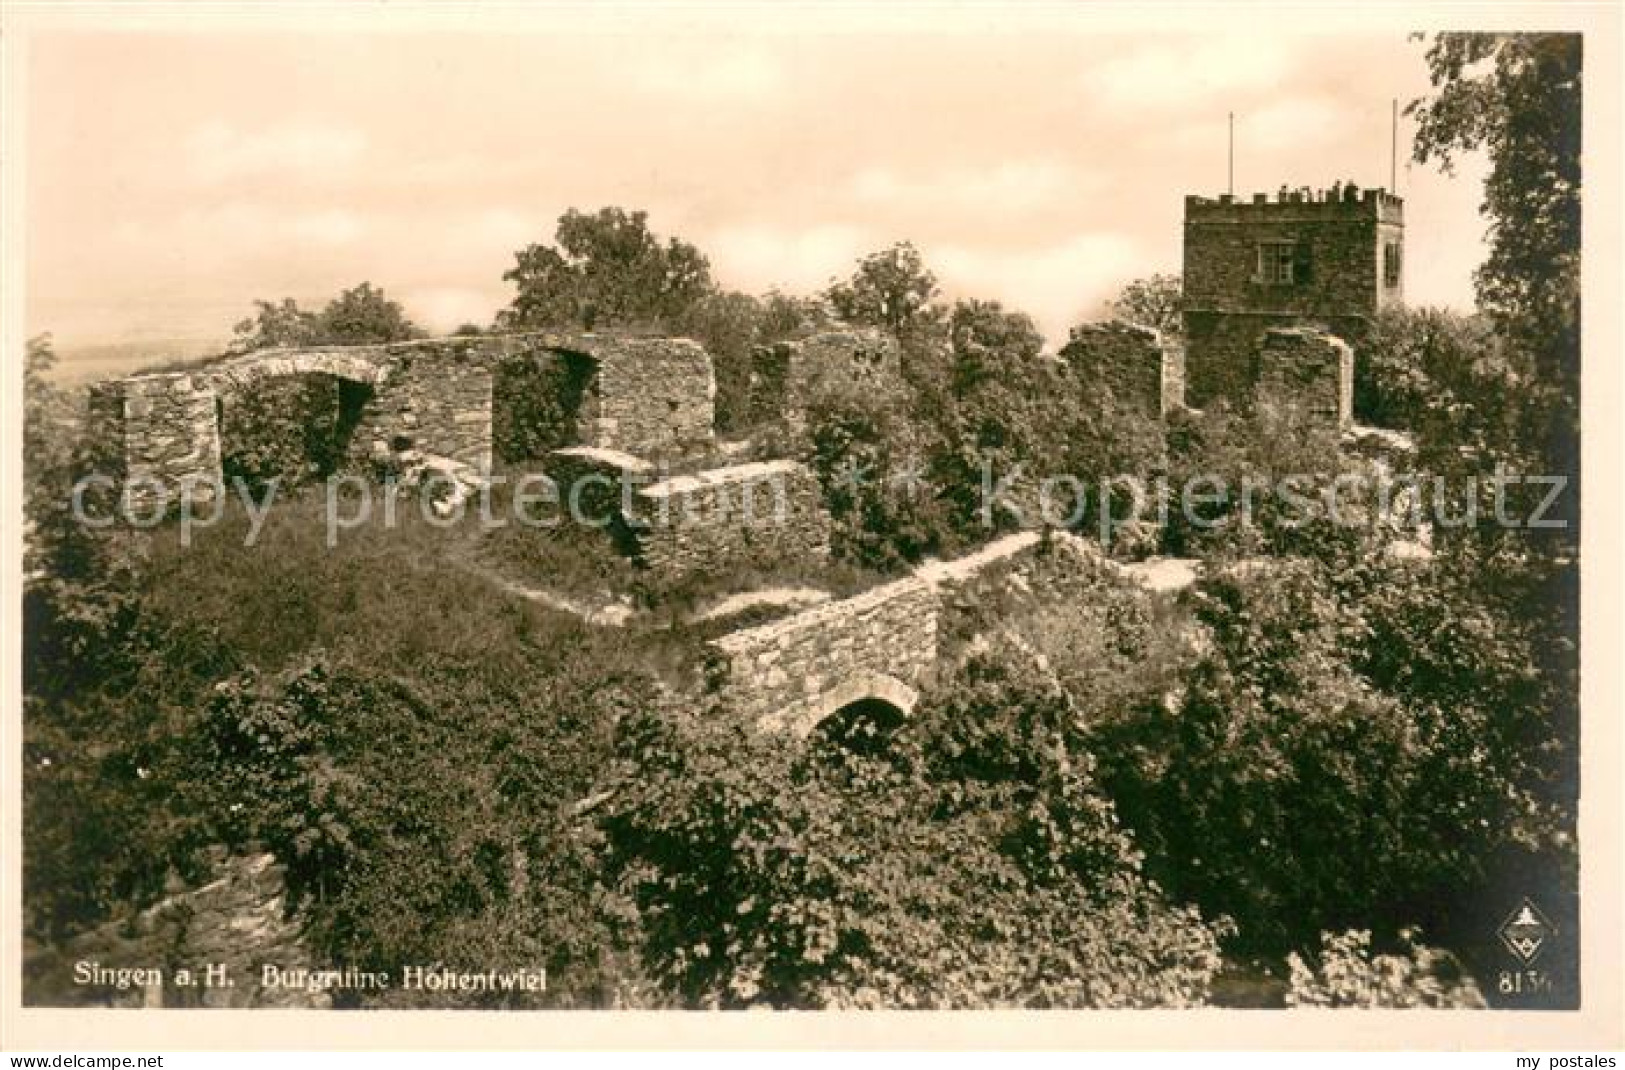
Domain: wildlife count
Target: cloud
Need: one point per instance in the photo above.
(219, 152)
(238, 225)
(1016, 186)
(1293, 123)
(735, 78)
(1188, 72)
(444, 309)
(795, 259)
(1054, 284)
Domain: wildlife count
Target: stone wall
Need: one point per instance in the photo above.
(432, 400)
(1128, 360)
(787, 376)
(792, 673)
(1307, 367)
(237, 921)
(1335, 239)
(719, 520)
(651, 397)
(598, 485)
(166, 427)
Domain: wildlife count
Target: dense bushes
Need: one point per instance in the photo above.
(429, 819)
(1314, 790)
(291, 431)
(968, 862)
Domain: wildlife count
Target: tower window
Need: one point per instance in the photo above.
(1390, 264)
(1276, 261)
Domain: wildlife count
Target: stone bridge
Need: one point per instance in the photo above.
(404, 401)
(791, 674)
(879, 646)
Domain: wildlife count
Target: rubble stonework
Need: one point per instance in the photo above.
(1342, 249)
(167, 431)
(238, 921)
(714, 521)
(792, 673)
(651, 397)
(1307, 367)
(1130, 361)
(410, 399)
(786, 376)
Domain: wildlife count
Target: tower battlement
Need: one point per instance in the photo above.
(1330, 258)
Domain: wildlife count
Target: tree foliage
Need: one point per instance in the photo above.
(1155, 301)
(360, 315)
(607, 269)
(891, 289)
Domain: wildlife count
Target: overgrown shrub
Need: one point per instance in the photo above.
(290, 430)
(1347, 974)
(535, 399)
(966, 861)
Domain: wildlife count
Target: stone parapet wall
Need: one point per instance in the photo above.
(719, 520)
(792, 673)
(1307, 367)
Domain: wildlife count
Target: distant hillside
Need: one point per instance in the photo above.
(89, 363)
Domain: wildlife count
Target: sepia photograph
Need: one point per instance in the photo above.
(706, 508)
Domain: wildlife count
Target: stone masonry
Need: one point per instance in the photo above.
(1330, 258)
(238, 921)
(166, 433)
(651, 397)
(792, 673)
(1310, 368)
(413, 399)
(1132, 362)
(715, 521)
(785, 376)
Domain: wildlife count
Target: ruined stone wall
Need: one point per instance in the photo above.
(651, 397)
(716, 521)
(167, 433)
(792, 673)
(434, 401)
(787, 376)
(236, 921)
(1123, 358)
(1307, 367)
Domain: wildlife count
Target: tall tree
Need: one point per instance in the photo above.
(1152, 302)
(891, 289)
(607, 269)
(1517, 96)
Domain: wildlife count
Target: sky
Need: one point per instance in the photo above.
(175, 177)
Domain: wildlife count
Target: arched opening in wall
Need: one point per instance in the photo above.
(536, 400)
(864, 727)
(294, 429)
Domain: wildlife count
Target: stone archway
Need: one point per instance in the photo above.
(864, 694)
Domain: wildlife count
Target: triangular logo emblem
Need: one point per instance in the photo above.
(1525, 932)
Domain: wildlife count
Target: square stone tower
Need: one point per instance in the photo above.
(1324, 258)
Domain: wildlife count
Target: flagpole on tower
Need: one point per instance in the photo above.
(1393, 151)
(1232, 160)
